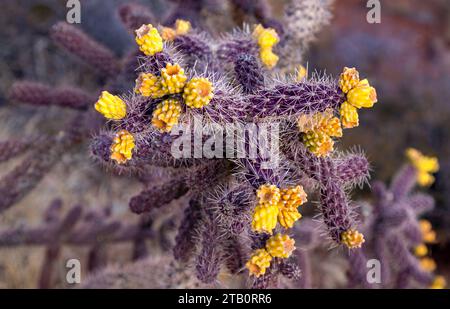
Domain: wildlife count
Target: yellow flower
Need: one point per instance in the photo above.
(149, 40)
(421, 250)
(258, 262)
(424, 165)
(122, 147)
(352, 239)
(349, 79)
(302, 73)
(438, 283)
(265, 218)
(198, 92)
(318, 142)
(268, 57)
(293, 197)
(166, 115)
(349, 116)
(268, 195)
(173, 78)
(280, 246)
(182, 26)
(363, 95)
(149, 85)
(428, 264)
(111, 106)
(287, 217)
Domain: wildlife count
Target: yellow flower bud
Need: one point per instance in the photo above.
(421, 250)
(318, 142)
(424, 165)
(168, 34)
(287, 216)
(349, 79)
(302, 73)
(198, 92)
(149, 85)
(149, 40)
(173, 78)
(352, 239)
(166, 115)
(268, 195)
(293, 197)
(258, 262)
(280, 246)
(438, 283)
(111, 106)
(265, 218)
(122, 147)
(331, 126)
(363, 95)
(428, 264)
(268, 57)
(349, 116)
(182, 26)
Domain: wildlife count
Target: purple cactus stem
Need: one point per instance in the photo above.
(134, 15)
(84, 47)
(157, 196)
(249, 73)
(208, 261)
(185, 239)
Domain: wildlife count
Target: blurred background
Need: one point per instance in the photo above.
(406, 57)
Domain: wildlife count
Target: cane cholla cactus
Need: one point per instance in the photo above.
(234, 202)
(241, 212)
(397, 235)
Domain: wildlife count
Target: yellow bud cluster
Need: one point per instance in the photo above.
(149, 85)
(122, 147)
(352, 239)
(280, 246)
(173, 78)
(349, 116)
(359, 94)
(424, 166)
(268, 195)
(277, 246)
(302, 73)
(438, 283)
(275, 204)
(149, 40)
(198, 92)
(265, 218)
(349, 79)
(111, 106)
(266, 38)
(259, 262)
(421, 250)
(318, 132)
(293, 197)
(428, 264)
(182, 27)
(318, 142)
(166, 115)
(428, 235)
